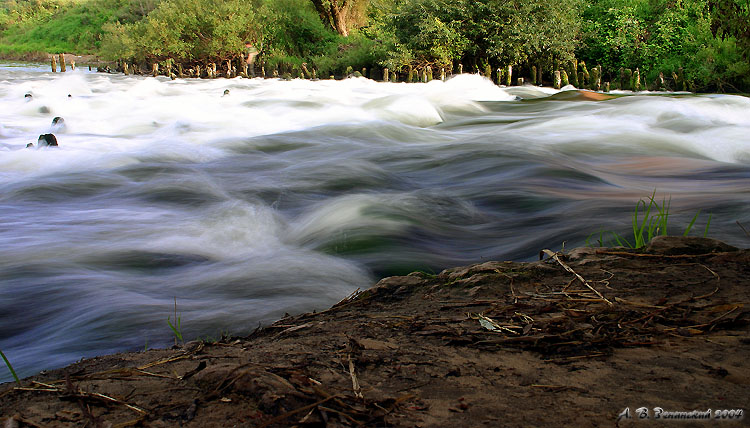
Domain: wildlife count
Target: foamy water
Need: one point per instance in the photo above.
(286, 196)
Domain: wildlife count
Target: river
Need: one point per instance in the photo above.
(286, 196)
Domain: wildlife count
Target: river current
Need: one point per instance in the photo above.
(287, 196)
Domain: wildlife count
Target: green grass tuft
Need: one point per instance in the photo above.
(177, 326)
(650, 219)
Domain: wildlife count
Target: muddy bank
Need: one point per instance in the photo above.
(573, 340)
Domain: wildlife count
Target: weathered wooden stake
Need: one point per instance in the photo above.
(488, 71)
(539, 80)
(558, 80)
(125, 68)
(596, 80)
(54, 64)
(586, 76)
(460, 69)
(574, 73)
(72, 65)
(564, 78)
(442, 74)
(411, 74)
(499, 76)
(429, 73)
(509, 76)
(636, 80)
(533, 75)
(155, 69)
(386, 75)
(62, 63)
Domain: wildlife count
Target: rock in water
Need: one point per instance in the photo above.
(47, 140)
(58, 124)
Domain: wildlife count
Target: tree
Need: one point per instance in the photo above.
(731, 18)
(341, 14)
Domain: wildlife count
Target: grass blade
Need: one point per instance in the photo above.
(690, 226)
(705, 232)
(10, 367)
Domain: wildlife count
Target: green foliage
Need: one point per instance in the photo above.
(662, 36)
(57, 26)
(650, 219)
(438, 32)
(177, 326)
(186, 30)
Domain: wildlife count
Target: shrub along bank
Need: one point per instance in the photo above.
(708, 40)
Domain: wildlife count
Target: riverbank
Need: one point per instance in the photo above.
(492, 344)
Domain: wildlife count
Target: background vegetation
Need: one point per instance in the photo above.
(709, 39)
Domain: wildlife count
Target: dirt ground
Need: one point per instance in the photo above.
(570, 341)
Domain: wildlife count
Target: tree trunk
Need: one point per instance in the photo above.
(334, 13)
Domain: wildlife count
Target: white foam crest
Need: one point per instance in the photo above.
(232, 230)
(346, 213)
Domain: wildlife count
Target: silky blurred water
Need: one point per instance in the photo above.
(286, 196)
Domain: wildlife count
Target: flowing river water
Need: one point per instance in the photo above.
(286, 196)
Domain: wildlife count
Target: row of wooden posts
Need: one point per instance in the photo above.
(62, 64)
(574, 73)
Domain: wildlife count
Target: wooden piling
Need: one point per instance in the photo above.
(62, 63)
(499, 76)
(125, 69)
(155, 69)
(54, 64)
(424, 75)
(636, 80)
(386, 75)
(460, 69)
(558, 79)
(429, 73)
(509, 76)
(533, 75)
(411, 74)
(595, 79)
(574, 73)
(586, 81)
(488, 71)
(442, 74)
(539, 80)
(564, 81)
